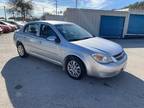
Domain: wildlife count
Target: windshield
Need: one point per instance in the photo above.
(72, 32)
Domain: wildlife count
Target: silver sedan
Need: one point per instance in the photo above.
(72, 47)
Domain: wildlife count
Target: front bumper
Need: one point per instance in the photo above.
(105, 70)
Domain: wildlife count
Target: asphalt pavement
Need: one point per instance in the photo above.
(35, 83)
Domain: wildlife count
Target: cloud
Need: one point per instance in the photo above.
(50, 7)
(2, 5)
(39, 5)
(96, 4)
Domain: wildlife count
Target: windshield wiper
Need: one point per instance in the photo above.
(80, 39)
(86, 38)
(74, 39)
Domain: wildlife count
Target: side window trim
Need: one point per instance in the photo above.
(38, 31)
(49, 27)
(25, 28)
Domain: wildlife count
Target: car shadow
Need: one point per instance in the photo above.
(34, 83)
(130, 43)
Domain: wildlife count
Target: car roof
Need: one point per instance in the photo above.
(53, 22)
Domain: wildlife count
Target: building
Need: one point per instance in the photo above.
(47, 16)
(108, 23)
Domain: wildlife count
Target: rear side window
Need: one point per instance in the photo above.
(32, 29)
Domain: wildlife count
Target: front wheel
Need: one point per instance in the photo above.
(75, 68)
(21, 51)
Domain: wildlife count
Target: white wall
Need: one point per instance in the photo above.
(54, 17)
(90, 19)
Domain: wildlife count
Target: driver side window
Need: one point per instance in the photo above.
(46, 31)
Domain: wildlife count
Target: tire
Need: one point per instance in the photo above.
(21, 51)
(75, 68)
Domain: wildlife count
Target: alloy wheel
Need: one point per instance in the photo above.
(74, 69)
(20, 50)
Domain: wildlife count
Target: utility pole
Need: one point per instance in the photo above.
(43, 10)
(13, 16)
(5, 13)
(76, 3)
(56, 6)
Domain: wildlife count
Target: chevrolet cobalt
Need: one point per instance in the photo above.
(72, 47)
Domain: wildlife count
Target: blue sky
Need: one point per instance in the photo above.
(49, 5)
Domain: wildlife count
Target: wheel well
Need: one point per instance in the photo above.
(73, 56)
(18, 43)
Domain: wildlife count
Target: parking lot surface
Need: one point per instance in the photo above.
(35, 83)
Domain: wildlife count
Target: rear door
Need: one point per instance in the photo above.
(31, 38)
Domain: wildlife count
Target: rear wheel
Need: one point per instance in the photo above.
(75, 68)
(21, 51)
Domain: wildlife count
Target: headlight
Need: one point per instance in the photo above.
(102, 58)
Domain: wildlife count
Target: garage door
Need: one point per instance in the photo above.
(112, 26)
(136, 24)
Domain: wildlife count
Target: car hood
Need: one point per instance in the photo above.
(95, 44)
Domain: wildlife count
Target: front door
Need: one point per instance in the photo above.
(49, 48)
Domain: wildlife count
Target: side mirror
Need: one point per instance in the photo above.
(53, 39)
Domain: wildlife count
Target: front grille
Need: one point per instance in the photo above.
(119, 56)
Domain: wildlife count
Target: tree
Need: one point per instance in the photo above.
(45, 15)
(137, 5)
(22, 7)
